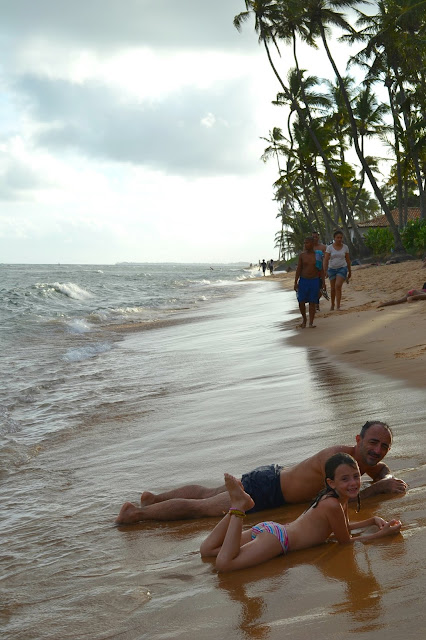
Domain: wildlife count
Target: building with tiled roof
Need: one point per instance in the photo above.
(413, 213)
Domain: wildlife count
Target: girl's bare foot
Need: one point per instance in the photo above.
(239, 498)
(129, 514)
(312, 326)
(147, 498)
(303, 325)
(332, 307)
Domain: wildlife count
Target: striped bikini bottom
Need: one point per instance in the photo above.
(277, 530)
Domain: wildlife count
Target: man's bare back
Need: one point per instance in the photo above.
(305, 480)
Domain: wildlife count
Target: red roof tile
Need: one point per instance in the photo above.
(413, 213)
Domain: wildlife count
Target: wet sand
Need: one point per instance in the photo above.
(235, 391)
(389, 340)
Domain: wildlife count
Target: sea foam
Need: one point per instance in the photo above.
(84, 353)
(71, 290)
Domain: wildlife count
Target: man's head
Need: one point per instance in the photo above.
(309, 243)
(373, 442)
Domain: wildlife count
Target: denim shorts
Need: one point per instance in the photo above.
(341, 271)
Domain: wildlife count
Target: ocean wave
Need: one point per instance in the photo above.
(227, 283)
(78, 325)
(68, 289)
(78, 354)
(7, 424)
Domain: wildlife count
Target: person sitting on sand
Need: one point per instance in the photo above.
(272, 485)
(327, 516)
(411, 296)
(308, 281)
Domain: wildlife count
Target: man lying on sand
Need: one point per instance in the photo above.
(413, 294)
(273, 486)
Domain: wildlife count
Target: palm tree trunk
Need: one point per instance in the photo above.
(397, 154)
(398, 242)
(333, 180)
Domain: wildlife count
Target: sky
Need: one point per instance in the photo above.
(130, 130)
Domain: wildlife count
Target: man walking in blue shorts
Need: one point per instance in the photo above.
(308, 280)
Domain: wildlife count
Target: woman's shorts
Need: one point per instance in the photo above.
(341, 271)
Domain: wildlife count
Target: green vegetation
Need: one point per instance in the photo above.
(414, 237)
(379, 241)
(319, 183)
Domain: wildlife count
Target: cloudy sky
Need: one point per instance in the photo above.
(130, 131)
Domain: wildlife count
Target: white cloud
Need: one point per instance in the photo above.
(131, 131)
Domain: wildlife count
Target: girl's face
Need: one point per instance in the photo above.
(347, 481)
(338, 238)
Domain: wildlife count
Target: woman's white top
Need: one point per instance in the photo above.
(337, 256)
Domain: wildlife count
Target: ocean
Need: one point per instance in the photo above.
(130, 377)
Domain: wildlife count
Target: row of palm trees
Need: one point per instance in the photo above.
(319, 182)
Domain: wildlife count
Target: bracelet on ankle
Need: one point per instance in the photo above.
(236, 512)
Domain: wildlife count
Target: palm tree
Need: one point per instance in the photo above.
(322, 14)
(270, 16)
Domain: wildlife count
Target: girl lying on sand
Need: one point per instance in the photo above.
(327, 515)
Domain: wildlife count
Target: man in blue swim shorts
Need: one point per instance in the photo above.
(272, 486)
(307, 282)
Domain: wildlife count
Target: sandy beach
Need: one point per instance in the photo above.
(390, 340)
(224, 386)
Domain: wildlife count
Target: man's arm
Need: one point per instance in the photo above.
(325, 263)
(383, 482)
(298, 272)
(322, 278)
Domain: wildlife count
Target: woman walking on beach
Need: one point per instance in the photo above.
(337, 266)
(327, 515)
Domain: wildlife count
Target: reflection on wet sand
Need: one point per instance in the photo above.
(251, 589)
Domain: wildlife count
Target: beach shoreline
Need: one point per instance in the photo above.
(389, 341)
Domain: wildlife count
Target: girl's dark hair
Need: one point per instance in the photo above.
(336, 232)
(330, 470)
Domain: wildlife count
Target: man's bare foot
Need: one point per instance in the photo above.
(129, 514)
(332, 307)
(239, 498)
(303, 325)
(147, 498)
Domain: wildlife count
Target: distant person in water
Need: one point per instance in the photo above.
(308, 281)
(273, 486)
(327, 516)
(271, 267)
(337, 267)
(263, 265)
(411, 296)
